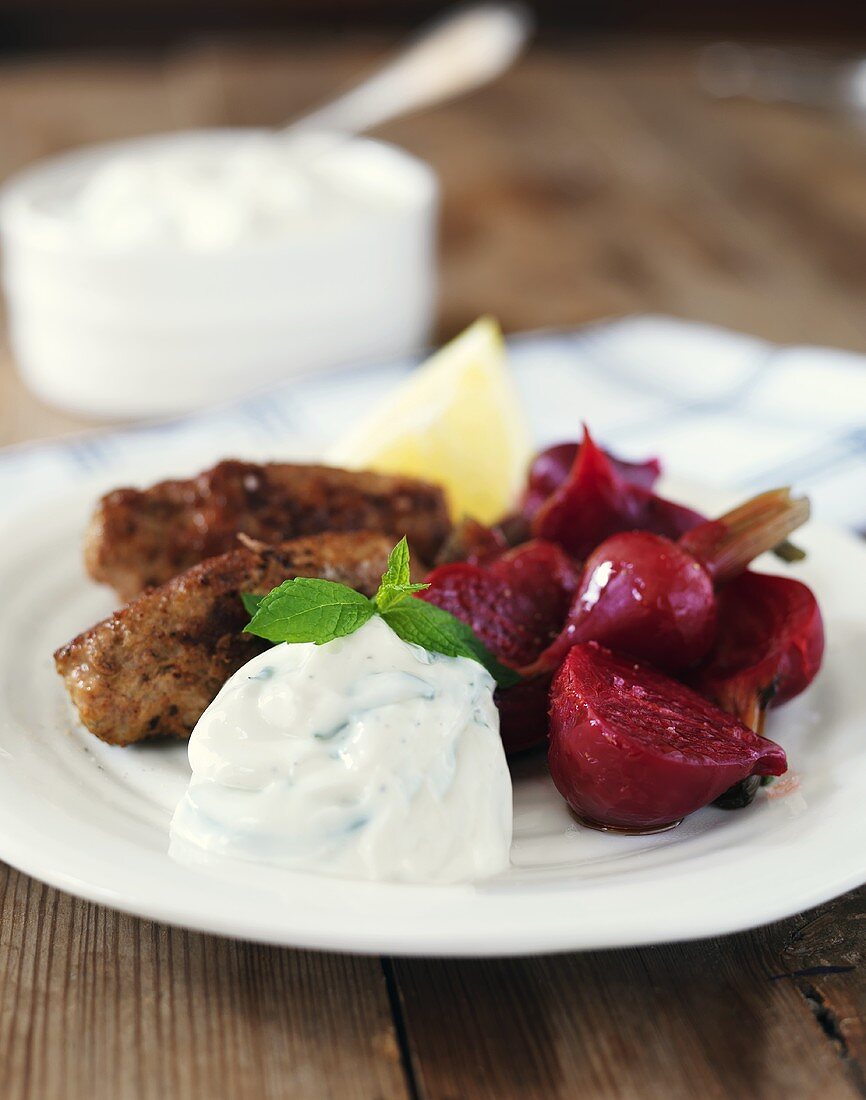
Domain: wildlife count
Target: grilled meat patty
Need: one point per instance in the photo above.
(143, 537)
(151, 668)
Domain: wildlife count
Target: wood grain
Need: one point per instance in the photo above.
(591, 181)
(100, 1005)
(719, 1018)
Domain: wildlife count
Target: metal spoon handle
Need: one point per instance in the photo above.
(453, 55)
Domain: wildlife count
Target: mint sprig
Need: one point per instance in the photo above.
(396, 584)
(308, 610)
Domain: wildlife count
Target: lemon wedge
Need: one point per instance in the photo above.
(456, 421)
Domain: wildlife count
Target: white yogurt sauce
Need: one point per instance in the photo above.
(206, 196)
(366, 757)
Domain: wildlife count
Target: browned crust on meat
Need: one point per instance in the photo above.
(151, 668)
(143, 537)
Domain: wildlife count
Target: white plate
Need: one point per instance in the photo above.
(93, 820)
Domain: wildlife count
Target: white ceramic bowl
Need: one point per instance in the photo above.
(156, 328)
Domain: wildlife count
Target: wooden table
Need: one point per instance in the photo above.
(592, 181)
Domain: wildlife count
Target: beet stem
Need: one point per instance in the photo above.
(786, 551)
(728, 545)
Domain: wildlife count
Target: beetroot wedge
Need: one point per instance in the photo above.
(633, 750)
(769, 645)
(523, 714)
(550, 470)
(517, 605)
(597, 499)
(641, 594)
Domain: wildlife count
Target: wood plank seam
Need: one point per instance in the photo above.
(398, 1019)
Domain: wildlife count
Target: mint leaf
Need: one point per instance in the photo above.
(309, 610)
(397, 572)
(440, 631)
(396, 584)
(251, 602)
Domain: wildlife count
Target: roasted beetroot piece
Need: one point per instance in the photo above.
(535, 562)
(770, 635)
(550, 470)
(597, 500)
(643, 474)
(516, 529)
(632, 750)
(769, 646)
(516, 604)
(523, 714)
(643, 595)
(652, 598)
(472, 542)
(768, 649)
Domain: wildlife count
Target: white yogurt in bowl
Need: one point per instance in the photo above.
(160, 274)
(366, 758)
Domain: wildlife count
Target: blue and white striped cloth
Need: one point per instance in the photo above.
(721, 409)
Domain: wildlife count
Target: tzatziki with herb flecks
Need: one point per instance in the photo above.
(366, 757)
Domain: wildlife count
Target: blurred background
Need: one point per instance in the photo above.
(608, 172)
(35, 24)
